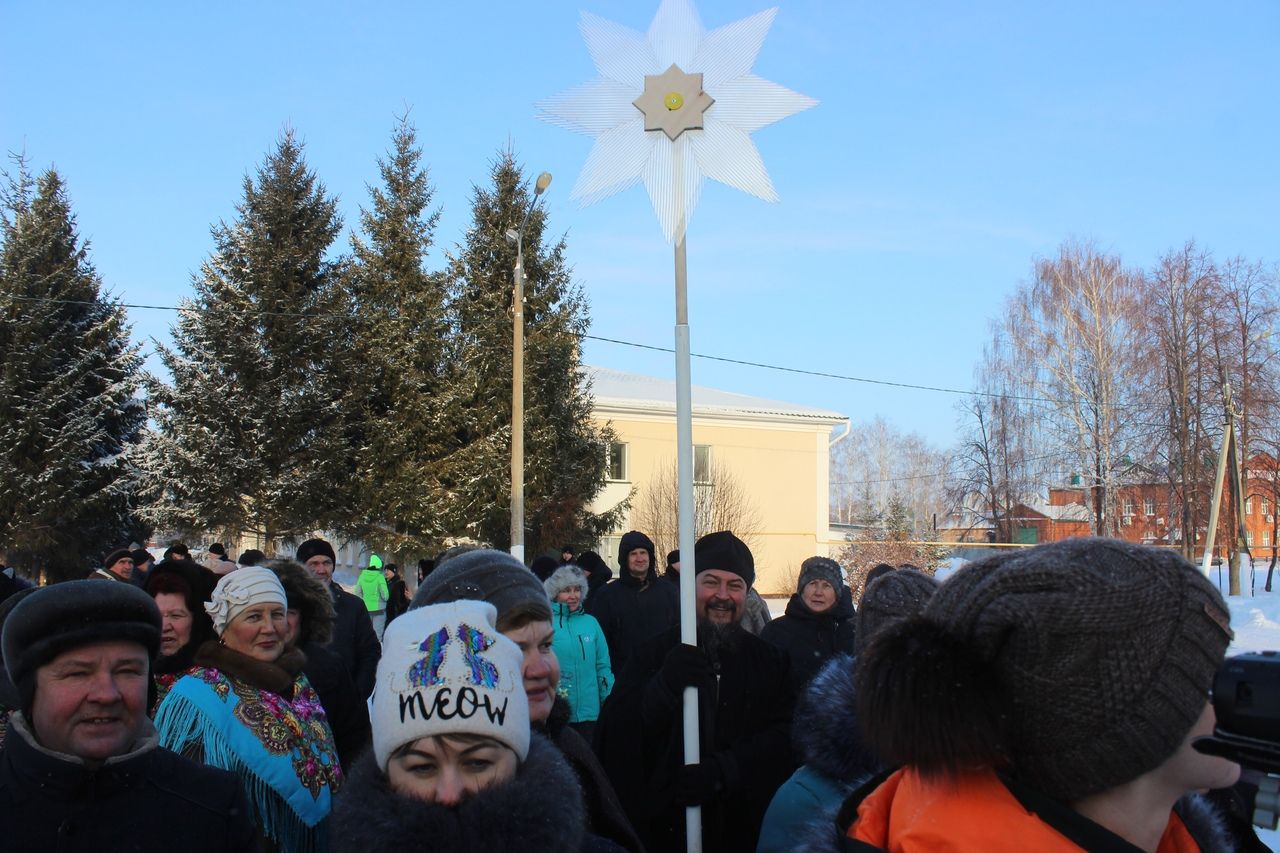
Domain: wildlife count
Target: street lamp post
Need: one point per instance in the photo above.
(517, 375)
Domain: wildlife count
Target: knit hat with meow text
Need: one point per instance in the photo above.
(445, 670)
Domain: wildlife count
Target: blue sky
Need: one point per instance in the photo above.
(953, 143)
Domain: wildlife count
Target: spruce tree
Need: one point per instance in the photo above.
(564, 450)
(399, 343)
(71, 421)
(254, 433)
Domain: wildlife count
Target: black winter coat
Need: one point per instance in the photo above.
(150, 801)
(630, 613)
(605, 815)
(354, 640)
(744, 730)
(347, 711)
(540, 810)
(397, 604)
(811, 639)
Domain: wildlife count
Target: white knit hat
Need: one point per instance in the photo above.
(446, 670)
(239, 590)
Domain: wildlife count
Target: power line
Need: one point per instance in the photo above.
(840, 376)
(311, 315)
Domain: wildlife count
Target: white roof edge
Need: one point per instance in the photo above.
(616, 389)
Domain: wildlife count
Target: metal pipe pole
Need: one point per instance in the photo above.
(517, 404)
(687, 532)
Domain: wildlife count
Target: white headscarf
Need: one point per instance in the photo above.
(239, 590)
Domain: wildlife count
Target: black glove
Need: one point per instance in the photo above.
(686, 666)
(698, 784)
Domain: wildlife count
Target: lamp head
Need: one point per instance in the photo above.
(512, 235)
(541, 184)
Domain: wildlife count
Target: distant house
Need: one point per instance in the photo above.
(1033, 520)
(777, 453)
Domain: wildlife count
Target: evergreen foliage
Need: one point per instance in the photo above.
(564, 451)
(71, 421)
(254, 433)
(400, 342)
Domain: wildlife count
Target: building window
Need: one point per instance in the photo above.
(1248, 506)
(1266, 506)
(1149, 506)
(617, 461)
(1128, 506)
(702, 464)
(1248, 537)
(1266, 540)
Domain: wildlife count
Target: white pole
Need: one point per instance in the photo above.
(1217, 500)
(517, 403)
(684, 479)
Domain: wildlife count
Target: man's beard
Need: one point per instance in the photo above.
(716, 639)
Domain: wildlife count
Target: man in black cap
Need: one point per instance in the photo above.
(82, 767)
(744, 698)
(118, 566)
(635, 607)
(353, 636)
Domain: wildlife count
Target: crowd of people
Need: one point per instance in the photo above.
(1040, 699)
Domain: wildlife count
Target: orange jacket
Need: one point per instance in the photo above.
(907, 814)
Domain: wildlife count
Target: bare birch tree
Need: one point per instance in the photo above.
(1074, 325)
(722, 503)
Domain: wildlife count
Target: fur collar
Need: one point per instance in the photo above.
(825, 728)
(1205, 824)
(275, 677)
(541, 809)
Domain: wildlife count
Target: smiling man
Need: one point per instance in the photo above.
(82, 768)
(744, 697)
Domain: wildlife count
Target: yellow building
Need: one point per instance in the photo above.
(760, 466)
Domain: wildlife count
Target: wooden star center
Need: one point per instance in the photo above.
(673, 102)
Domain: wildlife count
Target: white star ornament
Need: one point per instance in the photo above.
(672, 106)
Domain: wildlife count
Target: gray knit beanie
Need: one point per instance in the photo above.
(820, 569)
(482, 575)
(1100, 655)
(894, 595)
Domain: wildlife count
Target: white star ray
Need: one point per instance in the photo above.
(675, 33)
(730, 51)
(750, 103)
(614, 164)
(726, 154)
(620, 53)
(672, 170)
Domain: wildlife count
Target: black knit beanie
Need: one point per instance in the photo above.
(1075, 666)
(65, 616)
(722, 551)
(894, 595)
(313, 548)
(482, 575)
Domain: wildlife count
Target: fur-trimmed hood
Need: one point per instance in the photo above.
(825, 725)
(541, 809)
(310, 596)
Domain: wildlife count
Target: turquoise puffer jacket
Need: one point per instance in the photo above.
(585, 674)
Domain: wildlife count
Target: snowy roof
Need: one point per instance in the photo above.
(620, 390)
(1070, 512)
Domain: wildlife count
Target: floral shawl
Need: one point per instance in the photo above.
(281, 748)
